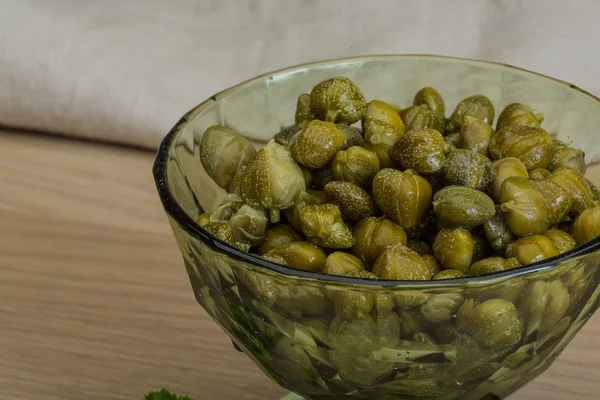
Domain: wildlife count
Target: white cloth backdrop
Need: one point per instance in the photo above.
(126, 70)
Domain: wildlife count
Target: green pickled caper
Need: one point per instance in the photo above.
(356, 164)
(505, 168)
(525, 207)
(203, 219)
(519, 114)
(477, 106)
(423, 151)
(323, 225)
(352, 136)
(495, 323)
(453, 140)
(453, 248)
(449, 274)
(419, 247)
(431, 263)
(337, 100)
(492, 264)
(275, 258)
(300, 255)
(474, 135)
(462, 207)
(342, 263)
(382, 126)
(533, 146)
(467, 168)
(278, 235)
(372, 236)
(223, 152)
(441, 307)
(543, 304)
(305, 197)
(303, 113)
(261, 286)
(285, 136)
(316, 144)
(539, 174)
(558, 199)
(567, 157)
(405, 198)
(594, 190)
(411, 321)
(301, 300)
(423, 229)
(354, 203)
(481, 247)
(401, 263)
(352, 303)
(222, 231)
(321, 177)
(497, 232)
(531, 249)
(430, 99)
(419, 118)
(272, 180)
(562, 240)
(573, 182)
(587, 225)
(249, 225)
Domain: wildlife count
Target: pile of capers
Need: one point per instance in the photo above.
(372, 190)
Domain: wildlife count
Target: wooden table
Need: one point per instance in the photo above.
(95, 302)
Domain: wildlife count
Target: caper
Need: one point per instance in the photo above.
(519, 114)
(356, 164)
(316, 144)
(382, 126)
(497, 232)
(594, 190)
(574, 183)
(342, 263)
(559, 200)
(337, 100)
(453, 140)
(419, 247)
(203, 219)
(453, 248)
(430, 99)
(321, 177)
(302, 300)
(481, 247)
(354, 203)
(372, 236)
(533, 146)
(419, 118)
(300, 255)
(352, 136)
(222, 231)
(448, 274)
(422, 151)
(304, 198)
(323, 225)
(567, 157)
(423, 228)
(275, 258)
(303, 112)
(404, 198)
(352, 303)
(272, 180)
(261, 286)
(587, 225)
(539, 174)
(431, 263)
(277, 235)
(505, 168)
(491, 265)
(474, 135)
(477, 106)
(562, 240)
(400, 263)
(249, 225)
(223, 152)
(531, 249)
(543, 304)
(285, 136)
(462, 207)
(441, 307)
(467, 168)
(525, 207)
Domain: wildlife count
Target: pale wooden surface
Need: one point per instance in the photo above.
(95, 302)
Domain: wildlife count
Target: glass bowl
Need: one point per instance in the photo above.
(409, 346)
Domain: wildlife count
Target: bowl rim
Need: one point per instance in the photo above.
(173, 209)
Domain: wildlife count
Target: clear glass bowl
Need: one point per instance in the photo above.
(283, 318)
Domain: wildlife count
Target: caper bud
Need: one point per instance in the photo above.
(533, 146)
(323, 225)
(223, 152)
(354, 203)
(491, 265)
(352, 136)
(453, 248)
(305, 198)
(519, 114)
(373, 236)
(303, 113)
(275, 258)
(558, 199)
(261, 286)
(407, 299)
(481, 247)
(575, 184)
(278, 235)
(495, 323)
(272, 180)
(448, 274)
(505, 168)
(422, 337)
(467, 168)
(531, 249)
(321, 177)
(587, 225)
(316, 144)
(401, 263)
(477, 106)
(300, 255)
(352, 303)
(431, 263)
(430, 99)
(357, 165)
(562, 240)
(337, 100)
(249, 225)
(441, 307)
(222, 231)
(425, 226)
(567, 157)
(525, 207)
(474, 135)
(411, 321)
(382, 126)
(497, 232)
(203, 219)
(285, 136)
(462, 207)
(418, 118)
(422, 151)
(453, 140)
(405, 198)
(594, 190)
(343, 264)
(539, 173)
(543, 304)
(303, 300)
(419, 247)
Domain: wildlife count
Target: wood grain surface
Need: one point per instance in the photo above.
(95, 302)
